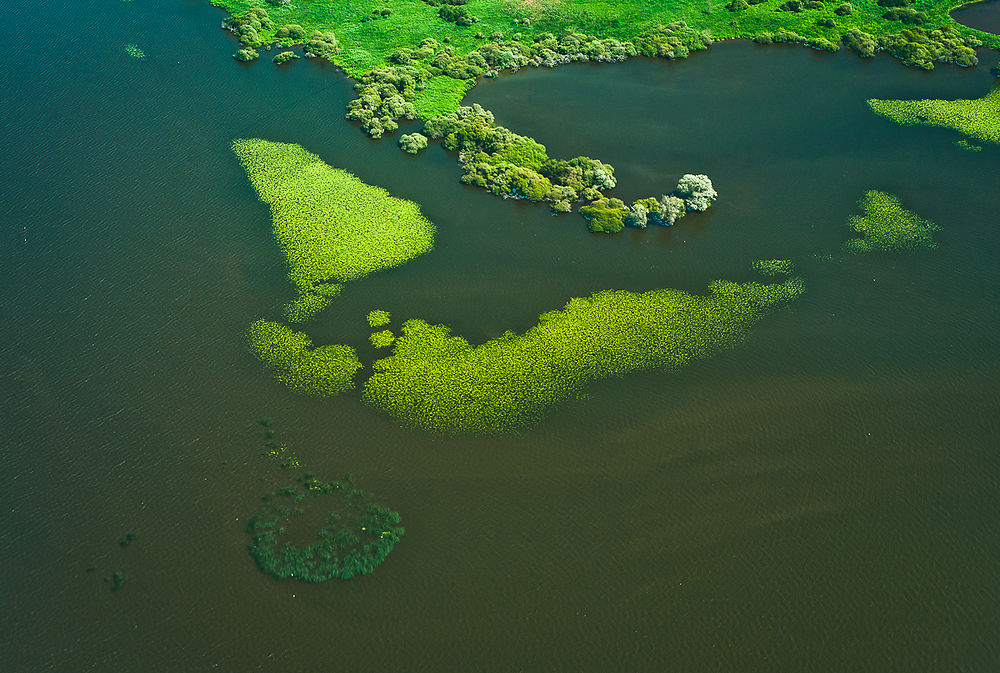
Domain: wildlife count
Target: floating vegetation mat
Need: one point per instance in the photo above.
(887, 227)
(378, 318)
(330, 226)
(354, 538)
(134, 51)
(290, 356)
(442, 383)
(977, 118)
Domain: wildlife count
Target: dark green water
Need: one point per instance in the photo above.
(822, 498)
(983, 15)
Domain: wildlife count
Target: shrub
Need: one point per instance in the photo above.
(844, 9)
(863, 44)
(696, 191)
(605, 215)
(737, 5)
(246, 55)
(412, 143)
(292, 31)
(285, 57)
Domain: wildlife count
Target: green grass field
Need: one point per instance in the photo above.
(366, 42)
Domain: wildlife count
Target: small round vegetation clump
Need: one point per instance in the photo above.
(378, 318)
(442, 383)
(354, 537)
(382, 339)
(978, 118)
(412, 143)
(321, 372)
(134, 51)
(886, 226)
(285, 57)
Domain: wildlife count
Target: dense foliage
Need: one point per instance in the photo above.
(356, 537)
(444, 384)
(978, 118)
(886, 226)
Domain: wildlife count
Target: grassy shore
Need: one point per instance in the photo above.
(367, 43)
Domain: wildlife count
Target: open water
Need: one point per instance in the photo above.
(822, 498)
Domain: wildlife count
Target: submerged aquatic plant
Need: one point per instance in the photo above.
(330, 226)
(134, 51)
(442, 383)
(887, 227)
(978, 118)
(321, 371)
(358, 535)
(774, 267)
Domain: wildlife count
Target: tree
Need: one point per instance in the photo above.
(696, 191)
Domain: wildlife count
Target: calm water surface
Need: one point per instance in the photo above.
(822, 498)
(982, 15)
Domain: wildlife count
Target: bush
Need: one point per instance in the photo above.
(696, 191)
(826, 23)
(412, 143)
(737, 5)
(246, 55)
(895, 3)
(863, 44)
(285, 57)
(906, 15)
(605, 215)
(791, 6)
(844, 9)
(292, 31)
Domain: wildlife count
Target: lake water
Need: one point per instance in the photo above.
(982, 15)
(821, 498)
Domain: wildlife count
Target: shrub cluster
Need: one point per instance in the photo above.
(917, 46)
(321, 45)
(412, 143)
(442, 383)
(247, 26)
(357, 536)
(385, 95)
(285, 57)
(610, 215)
(507, 164)
(886, 226)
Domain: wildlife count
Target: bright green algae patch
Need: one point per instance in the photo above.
(290, 356)
(887, 227)
(356, 536)
(331, 226)
(978, 118)
(378, 318)
(444, 384)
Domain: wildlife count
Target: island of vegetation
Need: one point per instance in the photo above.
(330, 226)
(885, 226)
(353, 539)
(442, 383)
(977, 118)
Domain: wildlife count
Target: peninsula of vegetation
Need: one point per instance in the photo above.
(977, 118)
(442, 383)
